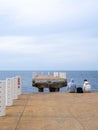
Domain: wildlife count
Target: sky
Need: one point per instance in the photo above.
(49, 35)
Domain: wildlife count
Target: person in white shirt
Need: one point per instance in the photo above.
(86, 86)
(71, 86)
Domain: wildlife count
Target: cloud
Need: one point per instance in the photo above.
(46, 12)
(53, 45)
(48, 17)
(59, 32)
(48, 52)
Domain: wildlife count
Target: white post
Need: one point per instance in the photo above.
(12, 86)
(2, 98)
(55, 74)
(9, 96)
(15, 87)
(62, 75)
(48, 73)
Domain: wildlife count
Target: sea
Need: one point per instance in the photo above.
(27, 76)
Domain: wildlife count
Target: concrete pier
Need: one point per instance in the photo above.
(52, 111)
(53, 83)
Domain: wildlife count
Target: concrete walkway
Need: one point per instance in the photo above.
(52, 111)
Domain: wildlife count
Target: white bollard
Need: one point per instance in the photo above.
(48, 73)
(62, 75)
(15, 94)
(2, 98)
(9, 95)
(55, 74)
(12, 86)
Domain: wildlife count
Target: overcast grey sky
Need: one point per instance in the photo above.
(48, 34)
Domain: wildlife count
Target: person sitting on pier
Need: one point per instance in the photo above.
(71, 86)
(86, 86)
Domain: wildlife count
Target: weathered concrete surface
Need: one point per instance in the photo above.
(48, 81)
(52, 111)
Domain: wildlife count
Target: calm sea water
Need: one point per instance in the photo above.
(78, 76)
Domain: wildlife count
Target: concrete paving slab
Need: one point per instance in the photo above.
(52, 111)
